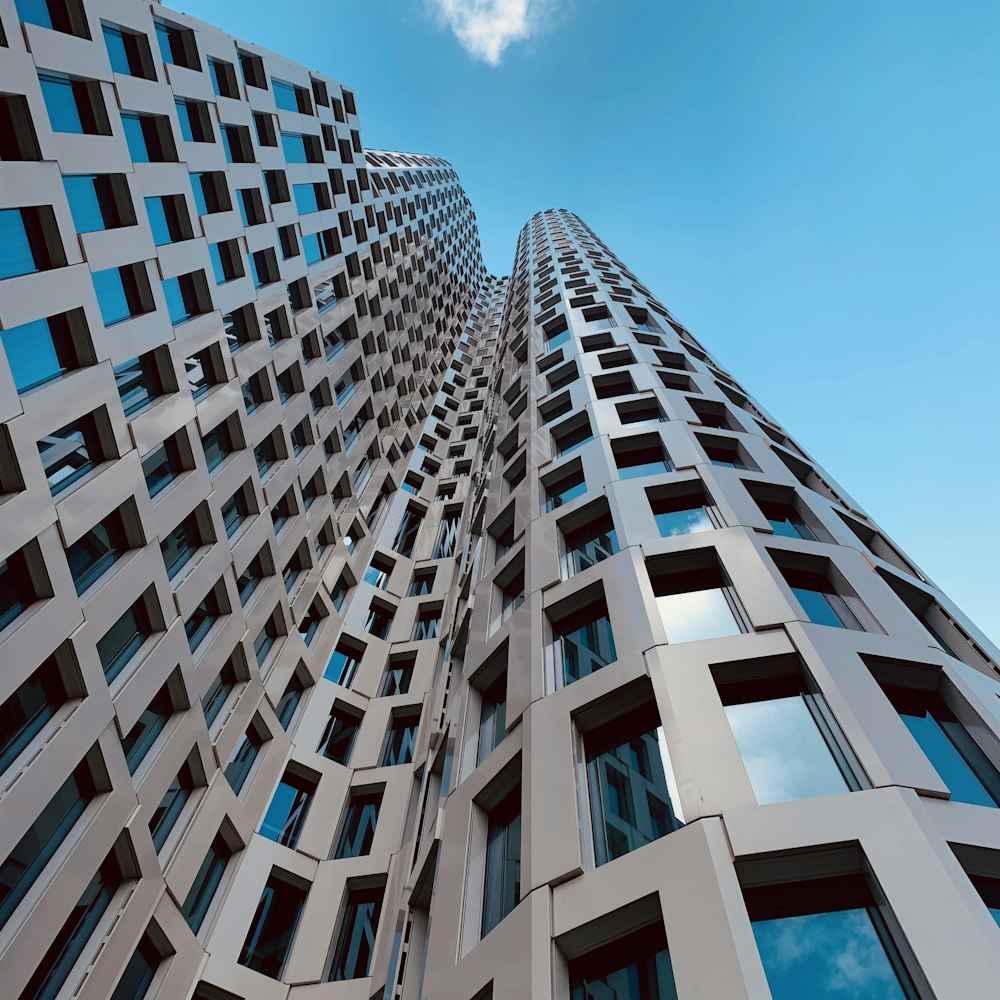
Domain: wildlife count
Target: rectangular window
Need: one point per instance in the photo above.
(162, 466)
(218, 693)
(502, 879)
(227, 262)
(223, 76)
(187, 296)
(27, 711)
(822, 601)
(636, 967)
(139, 972)
(239, 767)
(26, 862)
(98, 202)
(124, 639)
(584, 642)
(627, 778)
(45, 349)
(352, 956)
(790, 744)
(139, 382)
(70, 941)
(563, 486)
(218, 444)
(339, 734)
(400, 739)
(211, 192)
(492, 717)
(71, 452)
(272, 930)
(195, 121)
(128, 52)
(965, 769)
(170, 807)
(406, 535)
(288, 97)
(181, 544)
(74, 105)
(284, 710)
(682, 512)
(149, 138)
(30, 241)
(694, 596)
(286, 815)
(168, 219)
(17, 589)
(97, 551)
(206, 882)
(343, 663)
(122, 293)
(151, 722)
(590, 542)
(832, 921)
(357, 828)
(397, 678)
(199, 623)
(177, 45)
(640, 456)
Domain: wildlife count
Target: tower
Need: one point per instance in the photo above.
(373, 626)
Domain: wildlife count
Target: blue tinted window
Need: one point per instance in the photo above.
(96, 552)
(284, 95)
(69, 453)
(34, 12)
(502, 884)
(38, 352)
(184, 116)
(123, 640)
(293, 147)
(20, 252)
(24, 714)
(60, 93)
(585, 643)
(178, 307)
(819, 956)
(288, 810)
(139, 973)
(117, 295)
(151, 722)
(305, 198)
(163, 38)
(156, 210)
(353, 955)
(231, 143)
(269, 937)
(135, 136)
(238, 769)
(93, 203)
(198, 187)
(634, 968)
(683, 522)
(311, 248)
(358, 828)
(817, 607)
(218, 268)
(115, 42)
(199, 898)
(160, 467)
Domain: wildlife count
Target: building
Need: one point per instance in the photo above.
(372, 626)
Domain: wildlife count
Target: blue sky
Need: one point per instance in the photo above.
(811, 188)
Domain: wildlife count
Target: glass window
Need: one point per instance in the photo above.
(24, 246)
(591, 544)
(640, 459)
(138, 381)
(162, 466)
(167, 219)
(819, 599)
(25, 863)
(128, 52)
(832, 923)
(181, 294)
(98, 202)
(502, 881)
(218, 693)
(181, 544)
(124, 639)
(71, 939)
(289, 807)
(24, 714)
(118, 293)
(166, 814)
(695, 602)
(139, 973)
(97, 551)
(564, 489)
(357, 829)
(40, 351)
(630, 800)
(239, 768)
(306, 198)
(785, 520)
(356, 940)
(141, 737)
(400, 740)
(217, 444)
(492, 717)
(206, 882)
(294, 147)
(285, 95)
(17, 592)
(397, 679)
(339, 735)
(272, 930)
(584, 642)
(343, 665)
(289, 701)
(71, 104)
(633, 968)
(787, 742)
(70, 452)
(947, 744)
(680, 515)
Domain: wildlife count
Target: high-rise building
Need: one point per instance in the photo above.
(372, 626)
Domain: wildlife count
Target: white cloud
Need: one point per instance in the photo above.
(485, 28)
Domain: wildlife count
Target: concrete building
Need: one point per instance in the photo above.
(372, 626)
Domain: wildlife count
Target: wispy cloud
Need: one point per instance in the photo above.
(485, 28)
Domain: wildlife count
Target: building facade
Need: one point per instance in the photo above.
(373, 626)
